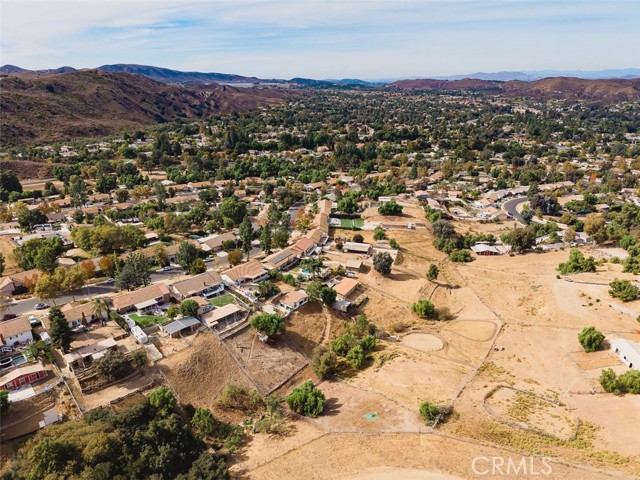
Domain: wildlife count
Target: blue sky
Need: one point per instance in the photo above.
(324, 39)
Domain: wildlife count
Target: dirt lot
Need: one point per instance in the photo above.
(198, 374)
(6, 248)
(268, 364)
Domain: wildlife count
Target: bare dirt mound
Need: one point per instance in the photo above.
(198, 374)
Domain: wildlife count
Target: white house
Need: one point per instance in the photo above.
(15, 331)
(293, 300)
(627, 351)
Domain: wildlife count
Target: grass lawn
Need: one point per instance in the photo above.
(146, 320)
(222, 300)
(351, 223)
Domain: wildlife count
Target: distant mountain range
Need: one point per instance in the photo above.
(565, 88)
(167, 75)
(530, 76)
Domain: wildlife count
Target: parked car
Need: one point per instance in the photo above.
(44, 336)
(163, 269)
(41, 306)
(208, 259)
(110, 281)
(34, 321)
(350, 275)
(6, 349)
(9, 316)
(5, 362)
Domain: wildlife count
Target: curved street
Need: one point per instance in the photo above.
(510, 207)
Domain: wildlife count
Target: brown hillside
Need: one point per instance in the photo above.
(563, 88)
(464, 84)
(87, 104)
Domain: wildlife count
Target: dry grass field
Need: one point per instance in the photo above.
(506, 358)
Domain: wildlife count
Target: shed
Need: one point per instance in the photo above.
(627, 351)
(175, 328)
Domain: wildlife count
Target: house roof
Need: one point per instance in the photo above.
(221, 312)
(197, 283)
(101, 346)
(141, 295)
(251, 269)
(14, 327)
(303, 245)
(357, 247)
(293, 297)
(345, 286)
(277, 259)
(180, 324)
(216, 242)
(74, 311)
(18, 372)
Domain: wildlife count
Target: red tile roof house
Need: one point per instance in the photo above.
(15, 331)
(346, 287)
(143, 299)
(22, 376)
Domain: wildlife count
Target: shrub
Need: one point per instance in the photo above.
(628, 382)
(624, 290)
(356, 357)
(306, 400)
(358, 238)
(590, 339)
(433, 272)
(379, 233)
(577, 263)
(394, 244)
(429, 411)
(461, 256)
(368, 343)
(323, 362)
(343, 344)
(163, 400)
(113, 365)
(424, 309)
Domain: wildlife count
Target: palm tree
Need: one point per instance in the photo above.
(99, 307)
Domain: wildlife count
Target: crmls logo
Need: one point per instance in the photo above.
(529, 466)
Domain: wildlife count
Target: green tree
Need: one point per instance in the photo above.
(444, 229)
(379, 233)
(314, 290)
(323, 362)
(99, 307)
(624, 290)
(268, 323)
(358, 238)
(356, 357)
(78, 191)
(390, 208)
(267, 289)
(590, 339)
(74, 279)
(382, 263)
(306, 400)
(460, 256)
(163, 400)
(40, 350)
(312, 264)
(198, 266)
(4, 401)
(186, 255)
(429, 412)
(424, 309)
(48, 287)
(113, 365)
(577, 263)
(433, 272)
(328, 295)
(203, 422)
(59, 329)
(265, 239)
(281, 238)
(348, 204)
(2, 264)
(8, 183)
(189, 308)
(246, 236)
(136, 271)
(520, 239)
(233, 209)
(234, 257)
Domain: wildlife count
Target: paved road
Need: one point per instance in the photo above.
(510, 207)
